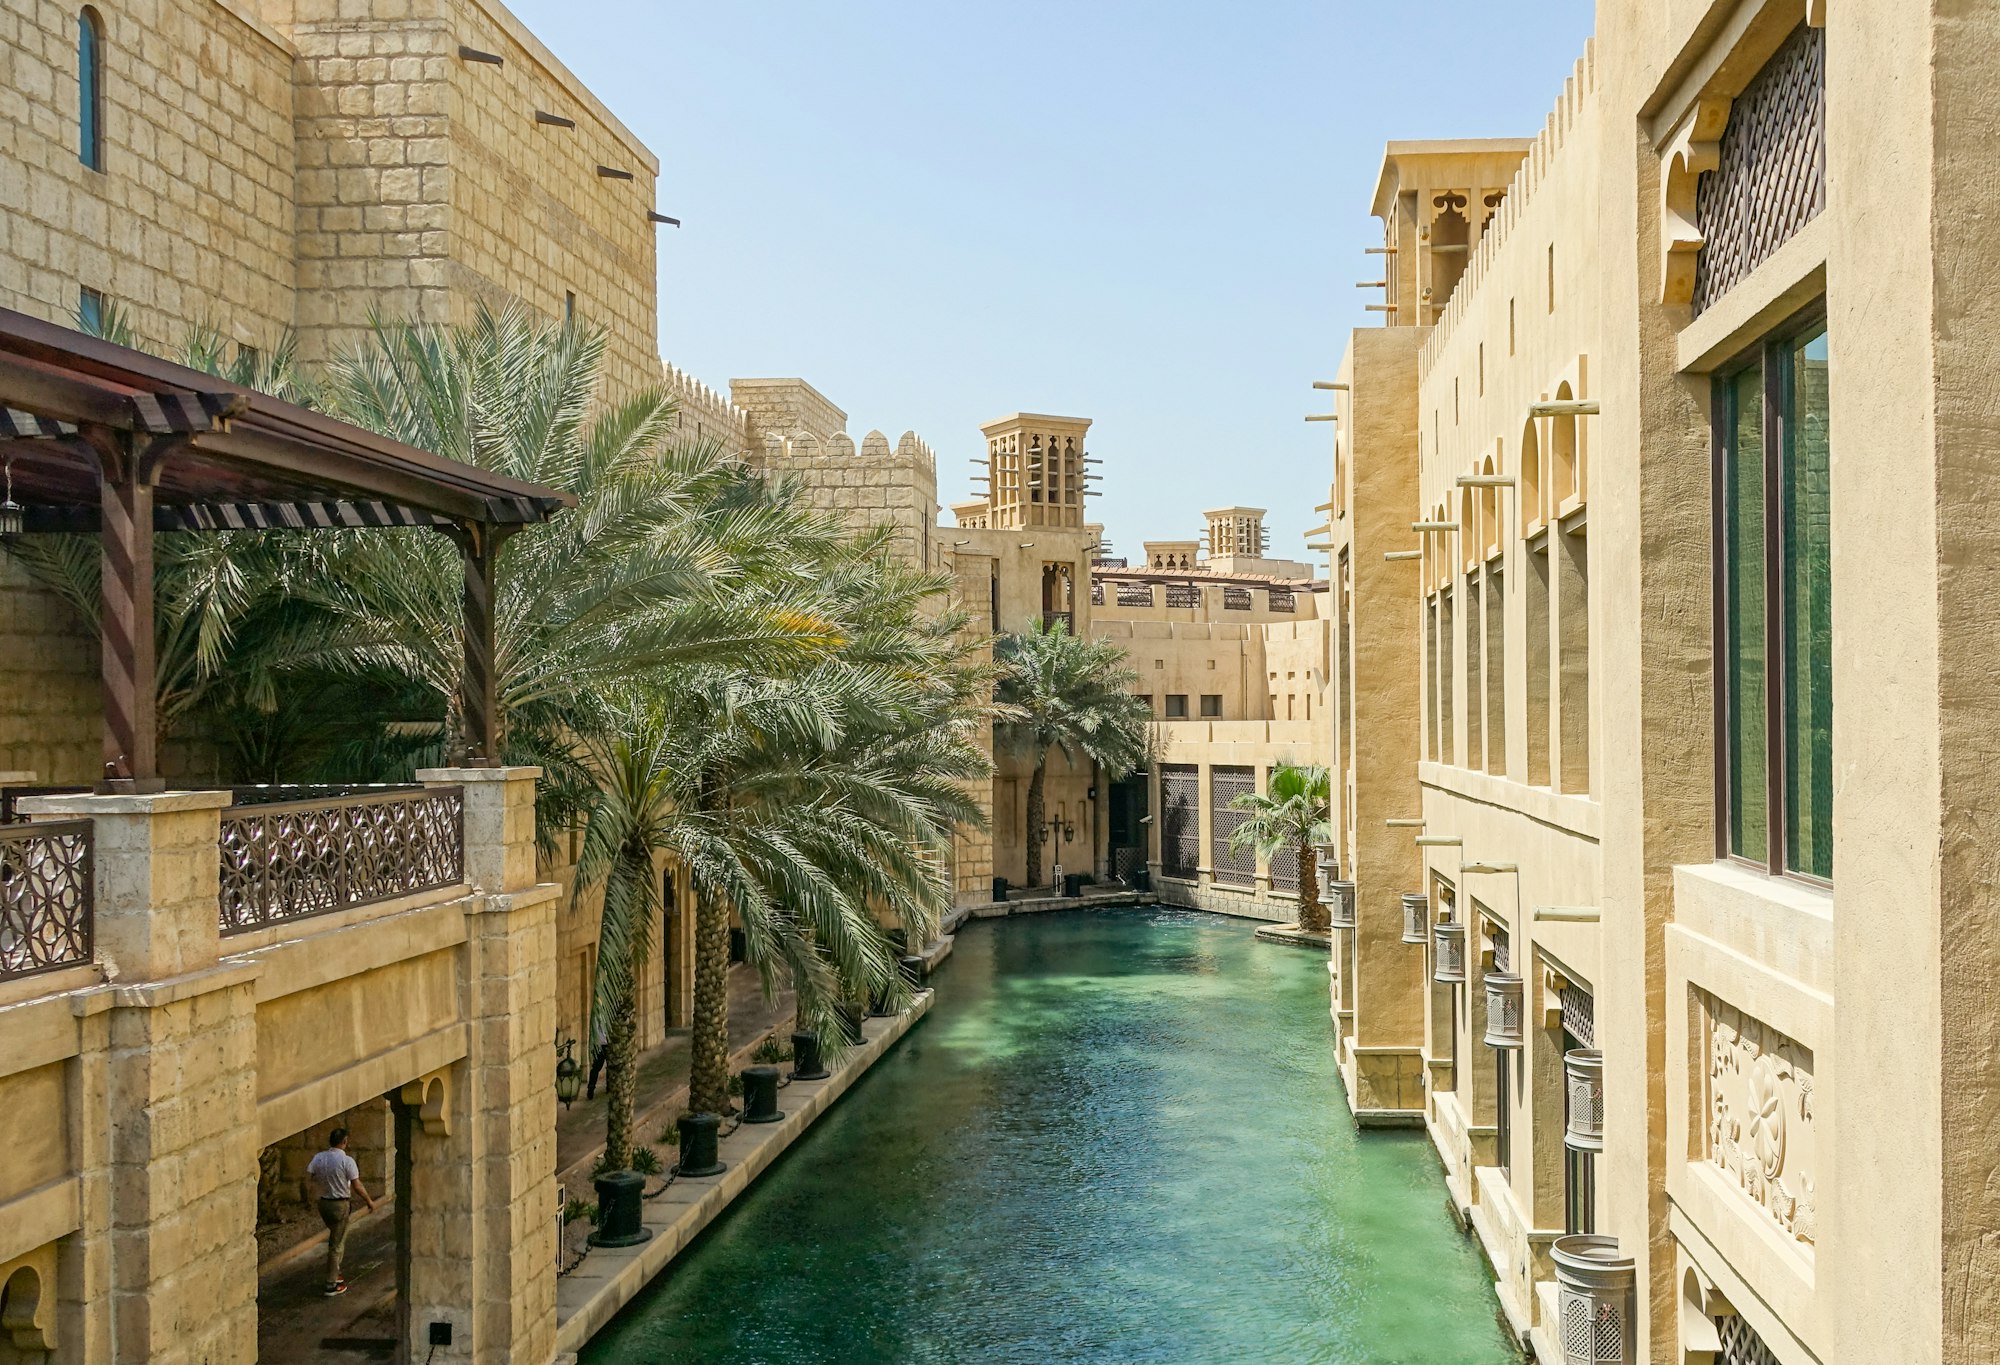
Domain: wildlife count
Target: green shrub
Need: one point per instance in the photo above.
(773, 1049)
(645, 1161)
(580, 1208)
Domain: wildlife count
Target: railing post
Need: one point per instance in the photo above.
(169, 1189)
(494, 1174)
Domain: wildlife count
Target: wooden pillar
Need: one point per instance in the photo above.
(125, 484)
(479, 695)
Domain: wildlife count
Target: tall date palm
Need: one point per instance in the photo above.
(1071, 695)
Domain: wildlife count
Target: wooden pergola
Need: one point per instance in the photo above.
(102, 438)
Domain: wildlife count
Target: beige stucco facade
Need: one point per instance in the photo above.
(1797, 1075)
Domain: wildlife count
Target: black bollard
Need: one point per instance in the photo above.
(700, 1135)
(760, 1094)
(620, 1198)
(847, 1015)
(913, 970)
(806, 1062)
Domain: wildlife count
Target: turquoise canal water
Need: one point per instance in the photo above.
(1118, 1137)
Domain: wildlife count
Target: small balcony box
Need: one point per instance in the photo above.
(1340, 904)
(1326, 857)
(1448, 964)
(1503, 1010)
(1583, 1076)
(1594, 1300)
(1416, 916)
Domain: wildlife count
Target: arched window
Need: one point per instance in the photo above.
(1567, 485)
(1531, 479)
(90, 87)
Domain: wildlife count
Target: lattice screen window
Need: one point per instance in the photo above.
(1741, 1345)
(1285, 872)
(1233, 867)
(1771, 177)
(1180, 820)
(1503, 949)
(1580, 1015)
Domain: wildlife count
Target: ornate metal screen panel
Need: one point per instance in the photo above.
(287, 860)
(1740, 1344)
(1283, 599)
(1096, 592)
(1236, 599)
(45, 897)
(1180, 820)
(1579, 1015)
(1233, 867)
(1771, 176)
(1285, 872)
(1183, 594)
(1503, 948)
(1135, 594)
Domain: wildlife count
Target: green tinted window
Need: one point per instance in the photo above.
(1744, 676)
(1808, 642)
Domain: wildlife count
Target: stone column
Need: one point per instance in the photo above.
(171, 1186)
(483, 1179)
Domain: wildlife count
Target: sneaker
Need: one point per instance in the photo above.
(337, 1287)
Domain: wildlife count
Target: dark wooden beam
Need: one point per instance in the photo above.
(128, 466)
(479, 686)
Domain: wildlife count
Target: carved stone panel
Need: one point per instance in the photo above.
(1759, 1107)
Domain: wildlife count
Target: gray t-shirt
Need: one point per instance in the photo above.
(333, 1174)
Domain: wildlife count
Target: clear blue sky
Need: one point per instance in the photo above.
(1147, 212)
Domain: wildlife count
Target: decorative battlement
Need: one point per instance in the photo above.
(1535, 168)
(706, 412)
(911, 451)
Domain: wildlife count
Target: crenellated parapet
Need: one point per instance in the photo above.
(706, 413)
(1558, 131)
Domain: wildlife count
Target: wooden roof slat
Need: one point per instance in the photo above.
(237, 441)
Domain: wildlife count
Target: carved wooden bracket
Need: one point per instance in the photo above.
(1694, 148)
(430, 1098)
(1816, 13)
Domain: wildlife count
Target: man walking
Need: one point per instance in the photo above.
(336, 1180)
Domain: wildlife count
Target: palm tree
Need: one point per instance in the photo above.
(1073, 695)
(816, 799)
(1293, 815)
(659, 565)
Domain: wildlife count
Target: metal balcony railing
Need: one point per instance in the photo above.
(285, 860)
(45, 897)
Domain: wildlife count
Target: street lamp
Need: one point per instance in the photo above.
(569, 1074)
(13, 518)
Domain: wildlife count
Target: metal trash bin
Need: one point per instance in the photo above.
(999, 890)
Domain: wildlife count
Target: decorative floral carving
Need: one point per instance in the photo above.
(1760, 1114)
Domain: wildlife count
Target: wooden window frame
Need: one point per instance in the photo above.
(1771, 353)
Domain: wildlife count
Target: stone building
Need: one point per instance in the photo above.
(1231, 655)
(1660, 531)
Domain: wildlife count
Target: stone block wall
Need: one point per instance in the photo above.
(372, 129)
(192, 216)
(531, 217)
(49, 698)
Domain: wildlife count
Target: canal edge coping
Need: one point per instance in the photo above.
(609, 1278)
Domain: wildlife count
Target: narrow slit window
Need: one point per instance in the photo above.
(90, 88)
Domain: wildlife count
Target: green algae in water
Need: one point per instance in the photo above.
(1118, 1137)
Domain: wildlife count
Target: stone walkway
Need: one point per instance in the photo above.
(297, 1324)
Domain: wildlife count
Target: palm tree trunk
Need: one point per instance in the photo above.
(708, 1069)
(1312, 915)
(621, 1075)
(1037, 819)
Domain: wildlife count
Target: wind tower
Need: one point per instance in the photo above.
(1036, 471)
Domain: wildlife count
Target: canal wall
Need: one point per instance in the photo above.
(611, 1277)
